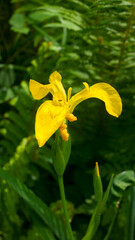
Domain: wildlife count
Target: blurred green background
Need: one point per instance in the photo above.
(92, 41)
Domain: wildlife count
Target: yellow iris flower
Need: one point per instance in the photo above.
(52, 114)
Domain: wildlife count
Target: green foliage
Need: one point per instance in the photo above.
(122, 181)
(96, 216)
(92, 41)
(35, 203)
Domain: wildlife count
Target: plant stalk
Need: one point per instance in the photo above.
(111, 225)
(132, 215)
(64, 203)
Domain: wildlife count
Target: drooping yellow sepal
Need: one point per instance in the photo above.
(102, 91)
(49, 118)
(109, 95)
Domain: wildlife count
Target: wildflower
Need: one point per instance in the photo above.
(52, 114)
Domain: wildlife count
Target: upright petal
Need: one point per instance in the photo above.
(38, 90)
(49, 117)
(57, 89)
(55, 77)
(102, 91)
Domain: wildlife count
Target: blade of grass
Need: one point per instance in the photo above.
(50, 219)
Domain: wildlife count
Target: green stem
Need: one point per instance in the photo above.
(64, 203)
(132, 215)
(111, 225)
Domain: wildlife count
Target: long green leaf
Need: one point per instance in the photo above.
(37, 205)
(131, 234)
(42, 231)
(95, 220)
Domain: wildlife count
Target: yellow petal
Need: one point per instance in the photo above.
(57, 89)
(69, 93)
(49, 117)
(102, 91)
(55, 76)
(78, 97)
(38, 90)
(109, 95)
